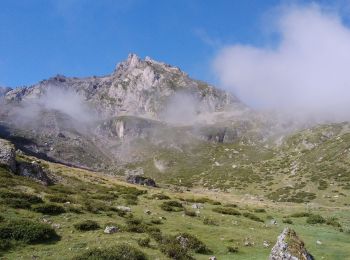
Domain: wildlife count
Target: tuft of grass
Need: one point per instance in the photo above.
(27, 231)
(252, 217)
(87, 225)
(315, 219)
(232, 249)
(190, 213)
(287, 221)
(144, 242)
(227, 211)
(160, 196)
(49, 209)
(171, 205)
(120, 252)
(300, 215)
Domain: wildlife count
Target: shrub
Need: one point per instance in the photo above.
(175, 251)
(216, 203)
(210, 222)
(120, 252)
(252, 217)
(156, 221)
(287, 221)
(49, 209)
(87, 225)
(135, 225)
(190, 212)
(193, 243)
(171, 205)
(16, 203)
(315, 219)
(231, 205)
(232, 249)
(32, 199)
(5, 245)
(260, 210)
(300, 214)
(333, 221)
(144, 242)
(27, 232)
(227, 211)
(160, 196)
(57, 198)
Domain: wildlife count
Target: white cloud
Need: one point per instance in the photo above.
(308, 72)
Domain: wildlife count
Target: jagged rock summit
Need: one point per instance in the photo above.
(289, 247)
(139, 87)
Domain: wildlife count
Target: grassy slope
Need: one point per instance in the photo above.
(84, 186)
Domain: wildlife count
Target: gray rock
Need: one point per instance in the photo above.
(7, 155)
(124, 208)
(34, 171)
(110, 230)
(213, 258)
(197, 206)
(141, 180)
(289, 247)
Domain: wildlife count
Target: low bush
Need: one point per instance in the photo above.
(300, 215)
(315, 219)
(5, 245)
(287, 221)
(32, 199)
(87, 225)
(27, 231)
(171, 205)
(120, 252)
(58, 198)
(16, 203)
(190, 213)
(160, 196)
(193, 243)
(156, 221)
(144, 242)
(227, 211)
(135, 225)
(49, 209)
(260, 210)
(231, 205)
(252, 217)
(333, 221)
(232, 249)
(210, 222)
(175, 251)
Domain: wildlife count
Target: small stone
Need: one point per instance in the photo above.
(56, 225)
(318, 242)
(266, 243)
(110, 230)
(124, 208)
(148, 212)
(213, 258)
(197, 206)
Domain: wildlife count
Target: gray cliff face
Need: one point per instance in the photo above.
(7, 155)
(136, 87)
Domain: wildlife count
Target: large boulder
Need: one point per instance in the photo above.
(34, 171)
(289, 247)
(141, 180)
(7, 155)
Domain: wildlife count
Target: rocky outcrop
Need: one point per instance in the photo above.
(3, 91)
(7, 155)
(34, 171)
(141, 180)
(289, 247)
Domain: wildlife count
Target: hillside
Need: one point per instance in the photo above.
(227, 226)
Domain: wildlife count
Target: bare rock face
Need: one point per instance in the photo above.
(7, 155)
(34, 171)
(289, 247)
(141, 180)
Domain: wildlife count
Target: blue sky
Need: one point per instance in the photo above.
(41, 38)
